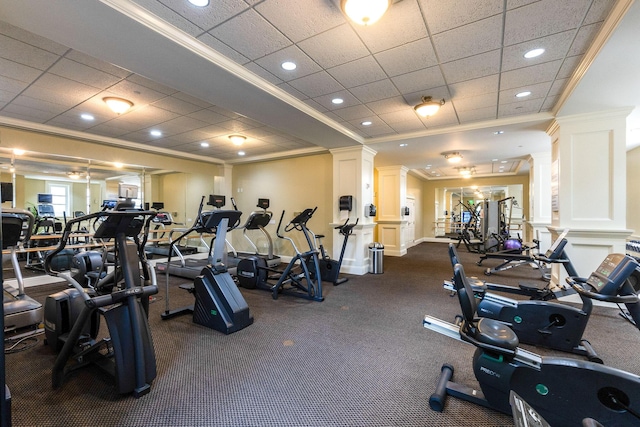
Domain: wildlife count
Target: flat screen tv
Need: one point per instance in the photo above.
(45, 198)
(6, 192)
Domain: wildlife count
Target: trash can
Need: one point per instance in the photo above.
(376, 256)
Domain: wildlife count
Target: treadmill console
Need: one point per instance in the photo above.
(612, 273)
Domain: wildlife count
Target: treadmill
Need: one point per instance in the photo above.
(20, 310)
(257, 220)
(161, 220)
(190, 268)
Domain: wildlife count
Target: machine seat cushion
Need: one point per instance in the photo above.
(494, 333)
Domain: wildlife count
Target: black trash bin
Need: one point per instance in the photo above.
(376, 257)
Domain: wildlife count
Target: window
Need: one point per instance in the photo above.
(60, 193)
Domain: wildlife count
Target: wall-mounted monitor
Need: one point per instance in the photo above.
(127, 191)
(45, 198)
(217, 201)
(109, 204)
(157, 205)
(6, 192)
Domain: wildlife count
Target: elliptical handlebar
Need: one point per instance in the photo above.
(300, 220)
(25, 236)
(577, 283)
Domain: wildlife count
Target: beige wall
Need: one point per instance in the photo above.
(633, 192)
(429, 188)
(415, 190)
(291, 185)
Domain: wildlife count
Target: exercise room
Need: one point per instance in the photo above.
(407, 213)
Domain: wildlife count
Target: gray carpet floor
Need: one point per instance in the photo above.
(360, 358)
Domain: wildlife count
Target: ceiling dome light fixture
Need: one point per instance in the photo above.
(533, 53)
(237, 139)
(118, 105)
(428, 107)
(289, 66)
(364, 12)
(74, 175)
(199, 3)
(523, 94)
(453, 157)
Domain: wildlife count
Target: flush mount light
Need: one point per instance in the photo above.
(453, 157)
(523, 94)
(289, 66)
(74, 175)
(428, 107)
(204, 144)
(364, 12)
(87, 117)
(337, 100)
(199, 3)
(241, 153)
(366, 123)
(118, 105)
(533, 53)
(155, 133)
(467, 171)
(237, 139)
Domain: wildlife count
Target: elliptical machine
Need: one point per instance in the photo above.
(330, 268)
(300, 278)
(563, 391)
(71, 316)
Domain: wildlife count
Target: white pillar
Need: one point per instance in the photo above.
(392, 194)
(540, 199)
(353, 176)
(589, 187)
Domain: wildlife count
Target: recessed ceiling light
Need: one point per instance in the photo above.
(403, 144)
(533, 53)
(503, 161)
(494, 160)
(337, 100)
(289, 66)
(199, 3)
(86, 116)
(498, 132)
(523, 94)
(366, 123)
(155, 133)
(204, 144)
(427, 167)
(241, 153)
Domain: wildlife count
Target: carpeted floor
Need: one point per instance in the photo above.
(360, 358)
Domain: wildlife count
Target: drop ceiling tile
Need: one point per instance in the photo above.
(334, 47)
(488, 84)
(273, 63)
(552, 17)
(299, 20)
(476, 102)
(315, 105)
(27, 113)
(518, 108)
(379, 130)
(408, 126)
(208, 116)
(539, 90)
(83, 74)
(568, 66)
(557, 87)
(169, 15)
(583, 39)
(113, 129)
(471, 39)
(443, 15)
(389, 105)
(96, 64)
(26, 54)
(137, 93)
(473, 67)
(406, 115)
(479, 114)
(30, 39)
(397, 27)
(192, 136)
(179, 125)
(549, 103)
(146, 116)
(223, 49)
(353, 113)
(53, 106)
(12, 87)
(421, 80)
(191, 99)
(445, 117)
(216, 13)
(259, 71)
(259, 37)
(598, 11)
(556, 47)
(436, 93)
(58, 90)
(407, 58)
(358, 72)
(513, 4)
(349, 100)
(150, 84)
(523, 77)
(317, 84)
(235, 125)
(293, 91)
(214, 131)
(16, 71)
(375, 91)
